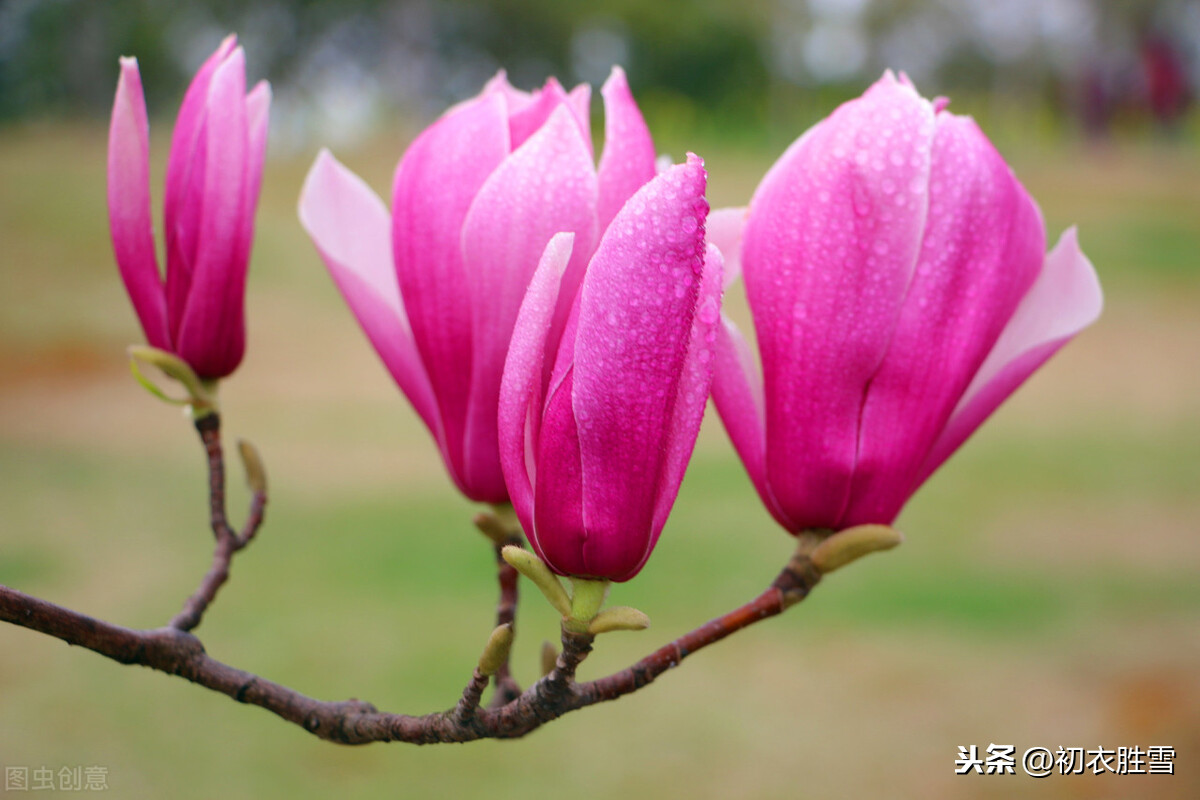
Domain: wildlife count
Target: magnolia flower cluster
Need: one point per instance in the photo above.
(556, 322)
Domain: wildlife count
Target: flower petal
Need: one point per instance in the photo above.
(129, 205)
(627, 162)
(212, 337)
(1064, 300)
(725, 228)
(827, 256)
(435, 182)
(984, 246)
(737, 391)
(580, 101)
(547, 186)
(351, 229)
(691, 396)
(515, 98)
(258, 112)
(558, 533)
(637, 305)
(185, 188)
(529, 119)
(522, 388)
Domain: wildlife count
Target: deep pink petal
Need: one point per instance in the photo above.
(547, 186)
(436, 181)
(558, 534)
(725, 229)
(212, 331)
(828, 251)
(351, 229)
(129, 205)
(627, 162)
(187, 124)
(522, 388)
(1064, 300)
(984, 246)
(635, 319)
(185, 187)
(691, 396)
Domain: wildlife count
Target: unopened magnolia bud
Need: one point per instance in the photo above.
(619, 618)
(532, 567)
(852, 544)
(549, 658)
(500, 524)
(256, 473)
(495, 653)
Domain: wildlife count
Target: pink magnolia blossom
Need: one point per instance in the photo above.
(213, 176)
(896, 273)
(476, 199)
(597, 426)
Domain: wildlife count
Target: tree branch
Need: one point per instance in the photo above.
(178, 652)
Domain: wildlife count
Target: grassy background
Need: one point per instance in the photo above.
(1047, 594)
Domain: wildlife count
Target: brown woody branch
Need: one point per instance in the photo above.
(228, 541)
(178, 652)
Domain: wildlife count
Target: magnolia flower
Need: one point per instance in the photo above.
(896, 273)
(476, 199)
(213, 175)
(597, 426)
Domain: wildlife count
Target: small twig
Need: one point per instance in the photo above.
(468, 705)
(227, 541)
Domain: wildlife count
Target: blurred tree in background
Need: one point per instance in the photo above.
(339, 65)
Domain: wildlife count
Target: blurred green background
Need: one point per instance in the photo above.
(1047, 594)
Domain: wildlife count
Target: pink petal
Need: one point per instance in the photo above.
(514, 98)
(635, 320)
(526, 121)
(547, 186)
(212, 332)
(522, 388)
(191, 114)
(258, 111)
(627, 162)
(558, 534)
(1064, 300)
(185, 191)
(725, 228)
(828, 251)
(691, 396)
(129, 205)
(436, 181)
(737, 391)
(983, 248)
(579, 100)
(352, 231)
